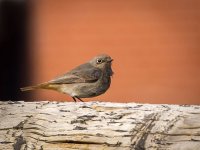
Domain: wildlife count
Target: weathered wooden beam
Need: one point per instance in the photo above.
(98, 125)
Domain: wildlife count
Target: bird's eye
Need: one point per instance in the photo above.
(99, 61)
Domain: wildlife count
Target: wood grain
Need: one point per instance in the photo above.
(98, 125)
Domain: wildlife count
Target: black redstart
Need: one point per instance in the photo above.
(87, 80)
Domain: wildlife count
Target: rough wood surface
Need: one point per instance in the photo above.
(98, 125)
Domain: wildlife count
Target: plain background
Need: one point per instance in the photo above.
(154, 44)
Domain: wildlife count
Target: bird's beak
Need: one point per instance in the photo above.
(110, 60)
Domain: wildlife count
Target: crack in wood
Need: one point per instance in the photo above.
(78, 121)
(84, 142)
(86, 117)
(143, 132)
(63, 110)
(79, 128)
(5, 142)
(19, 142)
(74, 142)
(120, 130)
(83, 119)
(2, 129)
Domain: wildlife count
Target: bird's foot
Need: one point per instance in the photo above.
(75, 97)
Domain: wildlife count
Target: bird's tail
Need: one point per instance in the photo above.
(29, 88)
(45, 85)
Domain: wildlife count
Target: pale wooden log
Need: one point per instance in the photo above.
(98, 125)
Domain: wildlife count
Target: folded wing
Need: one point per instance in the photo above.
(85, 73)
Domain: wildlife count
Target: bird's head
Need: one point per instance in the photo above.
(103, 61)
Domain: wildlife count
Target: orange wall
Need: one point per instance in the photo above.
(155, 46)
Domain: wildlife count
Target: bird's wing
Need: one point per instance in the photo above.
(85, 73)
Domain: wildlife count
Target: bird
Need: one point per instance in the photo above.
(90, 79)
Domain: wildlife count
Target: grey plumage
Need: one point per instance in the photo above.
(81, 74)
(87, 80)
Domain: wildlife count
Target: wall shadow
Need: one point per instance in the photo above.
(14, 60)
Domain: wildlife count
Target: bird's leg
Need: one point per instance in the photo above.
(74, 99)
(79, 99)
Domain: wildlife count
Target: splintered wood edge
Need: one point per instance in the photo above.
(98, 125)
